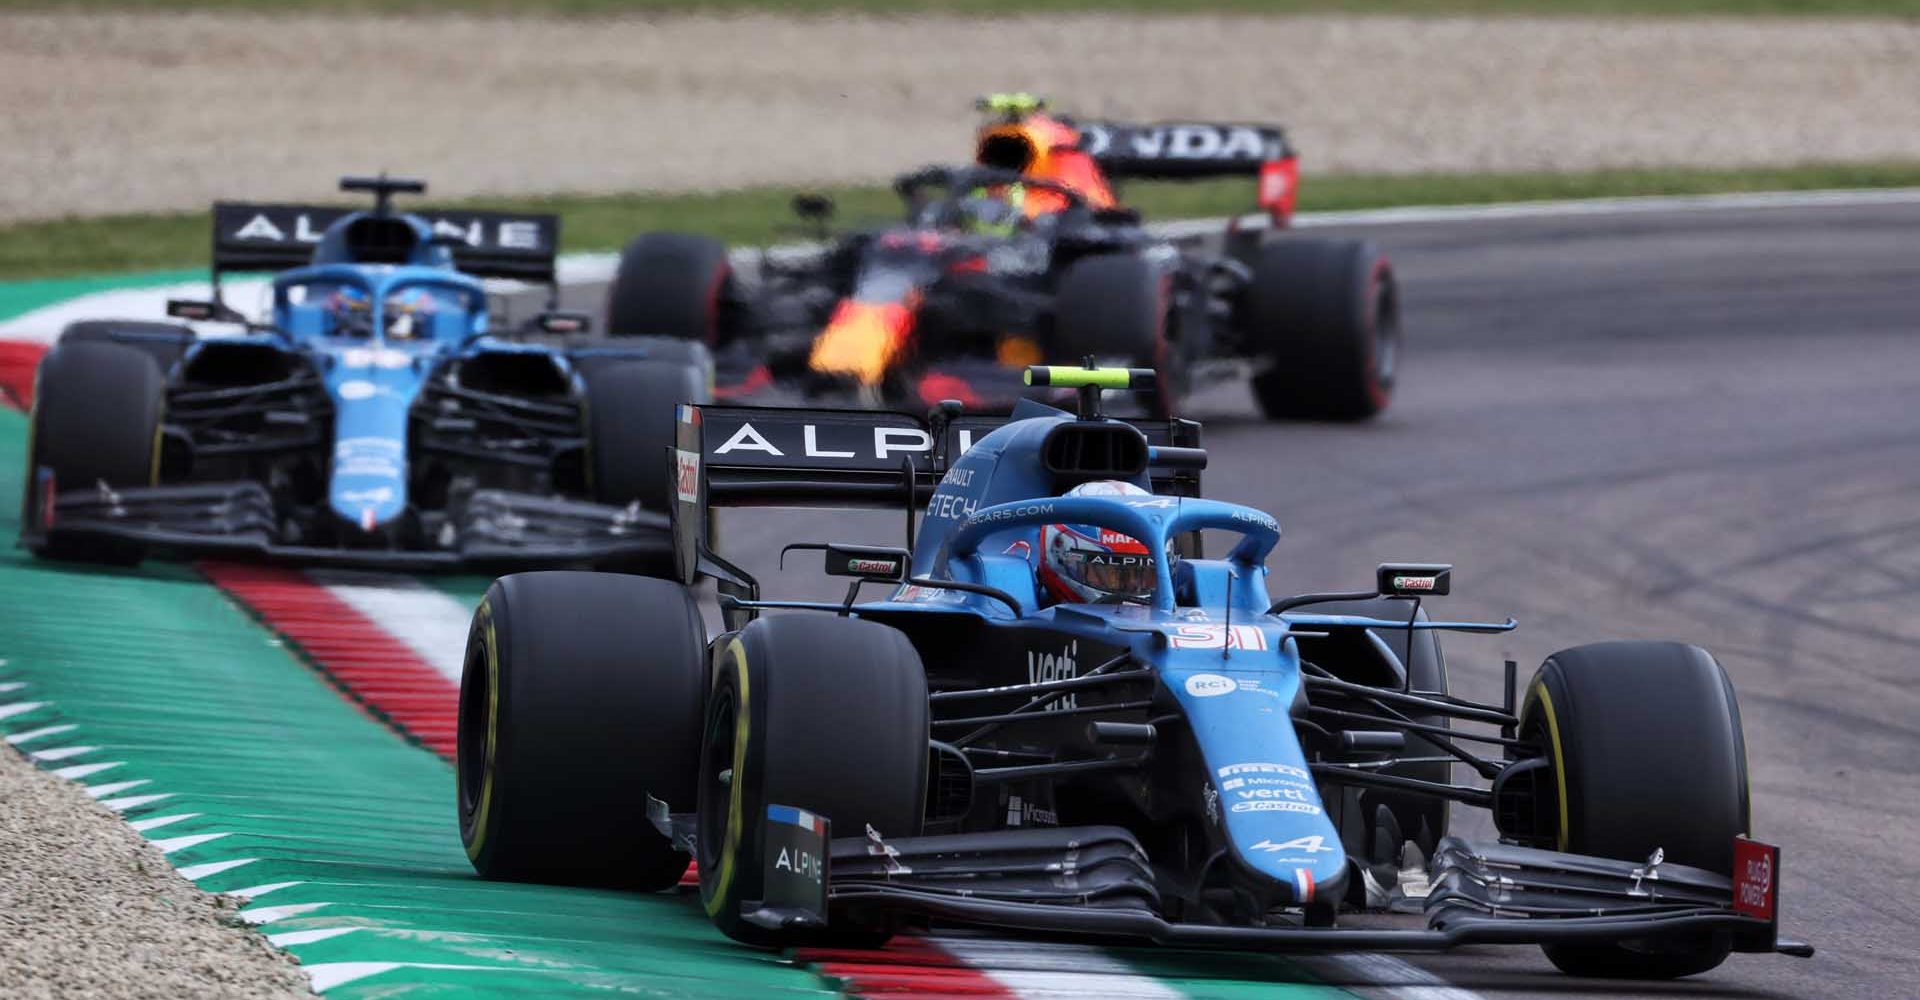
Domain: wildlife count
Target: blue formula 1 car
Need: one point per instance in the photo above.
(1064, 720)
(377, 418)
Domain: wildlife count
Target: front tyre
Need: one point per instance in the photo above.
(97, 417)
(823, 714)
(581, 696)
(1322, 321)
(1646, 749)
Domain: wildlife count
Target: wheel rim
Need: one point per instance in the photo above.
(470, 755)
(1386, 334)
(716, 794)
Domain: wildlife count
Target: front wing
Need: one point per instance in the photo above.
(1097, 881)
(496, 528)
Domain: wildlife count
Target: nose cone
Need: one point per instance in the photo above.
(369, 481)
(373, 390)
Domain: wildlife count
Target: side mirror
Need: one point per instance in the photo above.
(1414, 579)
(868, 562)
(195, 310)
(562, 322)
(813, 207)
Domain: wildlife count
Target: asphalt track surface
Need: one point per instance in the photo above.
(1696, 425)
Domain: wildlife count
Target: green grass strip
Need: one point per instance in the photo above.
(100, 246)
(987, 8)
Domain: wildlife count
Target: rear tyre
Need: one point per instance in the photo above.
(581, 696)
(165, 343)
(630, 417)
(823, 714)
(670, 285)
(1322, 318)
(1115, 307)
(96, 419)
(1645, 740)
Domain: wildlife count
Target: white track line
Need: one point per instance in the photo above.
(127, 802)
(425, 619)
(169, 845)
(143, 825)
(58, 753)
(116, 787)
(74, 772)
(1385, 975)
(291, 938)
(268, 914)
(326, 975)
(44, 731)
(1042, 971)
(194, 873)
(256, 891)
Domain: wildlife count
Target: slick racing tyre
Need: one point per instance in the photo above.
(671, 285)
(96, 419)
(1322, 321)
(1114, 307)
(630, 426)
(1645, 740)
(823, 714)
(580, 697)
(165, 343)
(1356, 812)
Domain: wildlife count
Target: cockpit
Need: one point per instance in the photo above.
(354, 305)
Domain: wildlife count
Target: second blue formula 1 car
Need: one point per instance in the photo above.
(1062, 719)
(378, 417)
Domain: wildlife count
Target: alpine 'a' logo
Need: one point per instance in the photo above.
(1064, 665)
(262, 228)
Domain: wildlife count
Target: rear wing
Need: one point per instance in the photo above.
(742, 456)
(1193, 150)
(254, 237)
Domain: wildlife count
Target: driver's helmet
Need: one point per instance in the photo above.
(1088, 564)
(408, 313)
(994, 211)
(350, 312)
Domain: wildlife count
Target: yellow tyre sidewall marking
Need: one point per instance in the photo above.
(484, 617)
(1558, 756)
(735, 819)
(159, 425)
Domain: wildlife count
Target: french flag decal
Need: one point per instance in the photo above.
(1305, 880)
(798, 817)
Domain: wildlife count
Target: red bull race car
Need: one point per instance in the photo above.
(1027, 255)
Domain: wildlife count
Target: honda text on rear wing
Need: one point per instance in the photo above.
(1195, 150)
